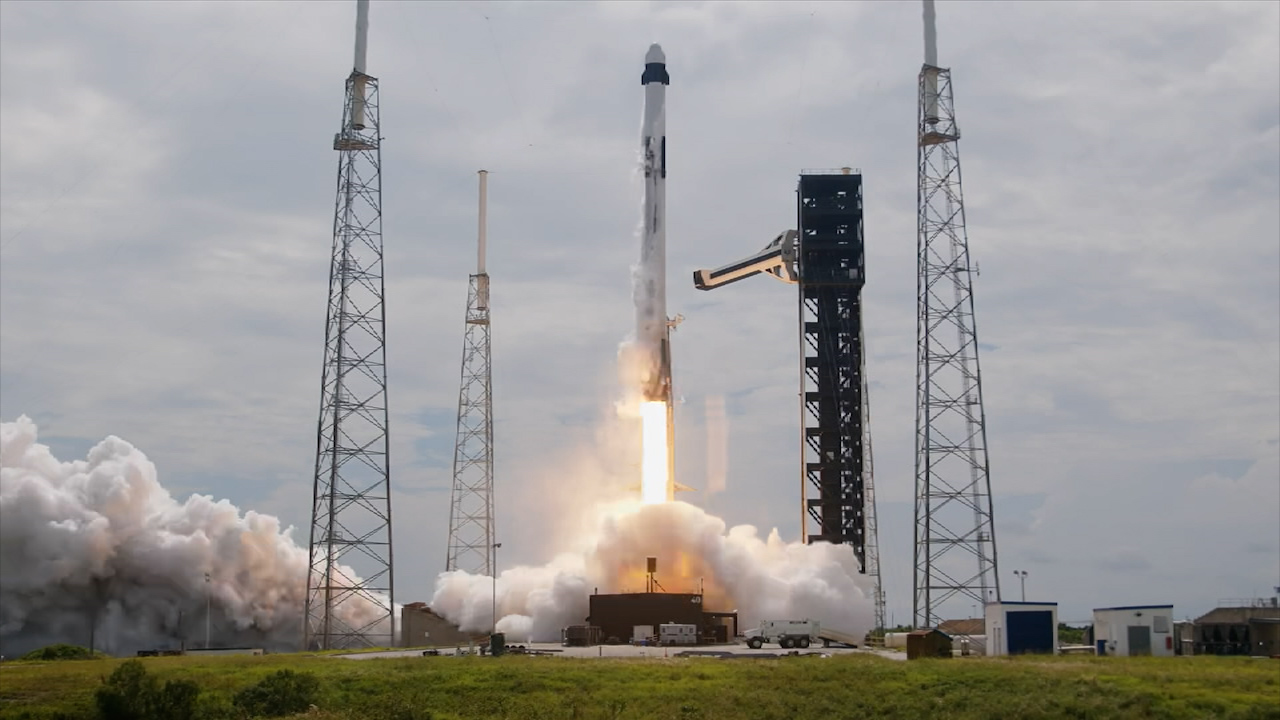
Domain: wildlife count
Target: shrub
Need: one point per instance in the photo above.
(284, 692)
(62, 651)
(215, 706)
(127, 694)
(131, 693)
(177, 700)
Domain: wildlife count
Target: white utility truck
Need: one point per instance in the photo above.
(797, 633)
(787, 633)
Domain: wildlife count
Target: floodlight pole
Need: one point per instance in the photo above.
(495, 588)
(208, 605)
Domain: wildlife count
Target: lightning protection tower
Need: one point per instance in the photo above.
(349, 586)
(471, 546)
(955, 542)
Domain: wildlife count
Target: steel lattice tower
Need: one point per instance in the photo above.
(955, 544)
(871, 567)
(351, 507)
(471, 532)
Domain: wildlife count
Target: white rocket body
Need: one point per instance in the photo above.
(652, 333)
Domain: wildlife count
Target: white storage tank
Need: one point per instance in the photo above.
(1134, 630)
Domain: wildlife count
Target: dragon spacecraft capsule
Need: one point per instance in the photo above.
(652, 330)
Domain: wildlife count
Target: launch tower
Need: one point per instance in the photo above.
(826, 259)
(830, 271)
(471, 546)
(350, 545)
(955, 542)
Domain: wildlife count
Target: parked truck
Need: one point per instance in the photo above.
(797, 633)
(787, 633)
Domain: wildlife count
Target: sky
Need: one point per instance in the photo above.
(166, 190)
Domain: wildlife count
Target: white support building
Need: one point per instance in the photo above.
(1134, 630)
(1015, 628)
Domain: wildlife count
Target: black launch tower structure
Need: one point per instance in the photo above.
(830, 270)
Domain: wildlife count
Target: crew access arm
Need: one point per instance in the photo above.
(778, 259)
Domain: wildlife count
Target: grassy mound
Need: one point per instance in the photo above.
(63, 651)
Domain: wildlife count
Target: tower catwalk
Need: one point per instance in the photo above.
(350, 546)
(955, 543)
(471, 545)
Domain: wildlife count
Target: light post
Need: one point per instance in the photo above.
(1022, 578)
(495, 588)
(208, 604)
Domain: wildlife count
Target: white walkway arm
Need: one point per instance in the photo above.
(778, 259)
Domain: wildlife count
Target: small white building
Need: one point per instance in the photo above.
(1134, 630)
(1015, 628)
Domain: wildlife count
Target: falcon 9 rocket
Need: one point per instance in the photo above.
(653, 331)
(651, 303)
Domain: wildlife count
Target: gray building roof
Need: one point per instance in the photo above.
(1237, 615)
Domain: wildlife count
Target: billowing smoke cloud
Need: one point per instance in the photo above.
(761, 578)
(98, 545)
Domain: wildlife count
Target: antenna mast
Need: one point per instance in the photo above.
(350, 545)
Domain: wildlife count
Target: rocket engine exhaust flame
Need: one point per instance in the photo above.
(655, 482)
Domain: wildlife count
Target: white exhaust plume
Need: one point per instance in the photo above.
(762, 578)
(98, 546)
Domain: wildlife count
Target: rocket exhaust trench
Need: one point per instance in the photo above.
(653, 330)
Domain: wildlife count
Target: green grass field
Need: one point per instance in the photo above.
(849, 686)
